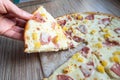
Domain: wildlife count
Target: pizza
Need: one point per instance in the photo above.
(43, 34)
(100, 59)
(80, 67)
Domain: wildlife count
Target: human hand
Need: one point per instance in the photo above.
(12, 20)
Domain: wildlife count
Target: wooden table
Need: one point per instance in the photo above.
(16, 65)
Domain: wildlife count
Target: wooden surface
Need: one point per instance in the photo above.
(15, 65)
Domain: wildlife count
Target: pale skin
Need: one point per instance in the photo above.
(12, 20)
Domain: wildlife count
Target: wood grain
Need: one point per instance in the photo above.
(16, 65)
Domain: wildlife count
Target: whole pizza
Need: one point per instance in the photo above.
(98, 60)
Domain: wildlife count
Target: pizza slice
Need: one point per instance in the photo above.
(43, 34)
(78, 67)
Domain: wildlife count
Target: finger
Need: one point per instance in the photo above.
(19, 22)
(5, 24)
(11, 8)
(2, 8)
(9, 16)
(15, 33)
(18, 29)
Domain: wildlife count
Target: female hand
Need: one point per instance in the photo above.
(12, 20)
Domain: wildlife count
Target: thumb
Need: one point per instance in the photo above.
(12, 8)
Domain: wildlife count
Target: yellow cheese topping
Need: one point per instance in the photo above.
(116, 53)
(93, 32)
(107, 35)
(104, 63)
(34, 36)
(115, 58)
(37, 44)
(98, 45)
(100, 68)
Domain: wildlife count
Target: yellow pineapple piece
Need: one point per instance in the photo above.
(115, 58)
(80, 59)
(107, 35)
(98, 45)
(105, 30)
(75, 56)
(93, 32)
(55, 39)
(43, 14)
(116, 53)
(85, 21)
(37, 44)
(65, 28)
(100, 68)
(79, 17)
(34, 36)
(104, 63)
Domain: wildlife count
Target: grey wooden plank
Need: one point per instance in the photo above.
(15, 64)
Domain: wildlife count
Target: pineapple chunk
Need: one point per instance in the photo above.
(85, 21)
(93, 32)
(34, 36)
(116, 53)
(79, 17)
(80, 59)
(100, 68)
(107, 35)
(43, 14)
(65, 28)
(104, 63)
(98, 45)
(105, 30)
(37, 44)
(115, 58)
(75, 56)
(55, 39)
